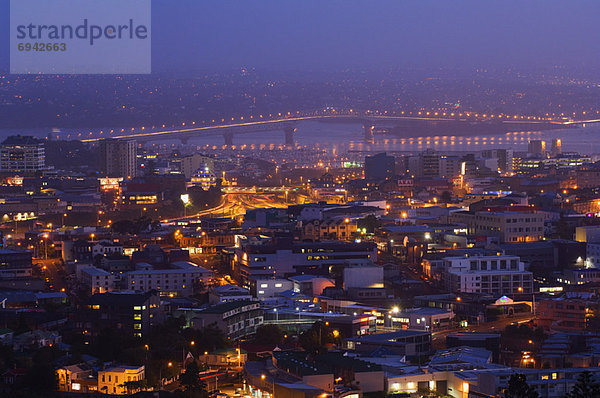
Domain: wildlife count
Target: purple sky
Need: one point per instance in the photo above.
(368, 34)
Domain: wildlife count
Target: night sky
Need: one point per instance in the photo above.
(329, 35)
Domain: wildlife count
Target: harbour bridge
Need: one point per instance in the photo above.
(288, 122)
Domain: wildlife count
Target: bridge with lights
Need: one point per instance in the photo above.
(288, 122)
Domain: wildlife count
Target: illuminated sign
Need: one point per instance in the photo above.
(110, 184)
(551, 289)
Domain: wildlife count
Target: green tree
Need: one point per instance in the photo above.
(518, 388)
(585, 387)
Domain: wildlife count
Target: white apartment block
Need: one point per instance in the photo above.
(169, 282)
(497, 275)
(98, 280)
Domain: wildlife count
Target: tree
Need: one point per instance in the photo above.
(585, 387)
(314, 339)
(446, 197)
(370, 223)
(135, 385)
(193, 386)
(268, 334)
(518, 388)
(190, 379)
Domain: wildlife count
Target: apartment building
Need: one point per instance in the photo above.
(497, 275)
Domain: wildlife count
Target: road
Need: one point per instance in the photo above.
(234, 205)
(53, 273)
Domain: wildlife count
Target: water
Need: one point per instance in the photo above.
(343, 137)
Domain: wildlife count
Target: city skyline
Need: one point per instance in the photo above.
(316, 199)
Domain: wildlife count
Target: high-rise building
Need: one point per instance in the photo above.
(504, 156)
(537, 147)
(22, 154)
(118, 158)
(556, 148)
(379, 167)
(195, 162)
(430, 163)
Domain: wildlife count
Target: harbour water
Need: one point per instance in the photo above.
(344, 137)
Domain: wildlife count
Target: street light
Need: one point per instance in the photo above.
(264, 377)
(45, 246)
(185, 198)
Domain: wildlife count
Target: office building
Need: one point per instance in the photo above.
(537, 147)
(15, 263)
(556, 148)
(191, 164)
(132, 313)
(287, 258)
(379, 167)
(118, 158)
(507, 226)
(22, 154)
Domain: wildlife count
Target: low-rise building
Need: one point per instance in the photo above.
(228, 293)
(268, 288)
(236, 319)
(497, 275)
(181, 281)
(97, 280)
(423, 318)
(507, 226)
(118, 380)
(409, 343)
(77, 378)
